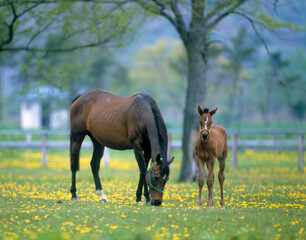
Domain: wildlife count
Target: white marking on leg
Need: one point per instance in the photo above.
(101, 195)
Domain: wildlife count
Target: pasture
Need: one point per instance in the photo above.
(264, 199)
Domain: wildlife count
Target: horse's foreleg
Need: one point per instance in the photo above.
(95, 167)
(147, 156)
(221, 177)
(142, 170)
(75, 146)
(210, 181)
(200, 181)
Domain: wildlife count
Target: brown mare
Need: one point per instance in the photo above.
(211, 143)
(121, 123)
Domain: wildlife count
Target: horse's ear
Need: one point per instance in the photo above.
(157, 159)
(212, 112)
(200, 110)
(170, 160)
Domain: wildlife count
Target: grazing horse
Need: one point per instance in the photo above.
(211, 143)
(121, 123)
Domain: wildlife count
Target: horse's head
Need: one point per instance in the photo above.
(206, 122)
(157, 177)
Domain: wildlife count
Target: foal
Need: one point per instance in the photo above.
(211, 143)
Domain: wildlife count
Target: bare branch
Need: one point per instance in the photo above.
(117, 2)
(55, 50)
(101, 43)
(179, 23)
(10, 26)
(265, 45)
(222, 15)
(35, 35)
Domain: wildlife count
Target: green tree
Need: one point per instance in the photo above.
(77, 24)
(194, 21)
(45, 28)
(164, 65)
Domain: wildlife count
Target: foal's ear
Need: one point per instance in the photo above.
(212, 112)
(200, 110)
(170, 160)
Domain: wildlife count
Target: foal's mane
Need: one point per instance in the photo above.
(162, 132)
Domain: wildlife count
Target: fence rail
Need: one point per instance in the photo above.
(278, 140)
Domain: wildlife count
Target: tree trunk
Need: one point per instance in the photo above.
(195, 97)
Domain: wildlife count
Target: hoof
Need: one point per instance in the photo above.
(103, 200)
(198, 207)
(140, 202)
(223, 208)
(75, 199)
(148, 203)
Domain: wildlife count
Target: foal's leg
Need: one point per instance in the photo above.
(200, 181)
(75, 146)
(210, 181)
(221, 177)
(95, 167)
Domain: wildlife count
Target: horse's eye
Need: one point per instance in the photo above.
(201, 123)
(156, 178)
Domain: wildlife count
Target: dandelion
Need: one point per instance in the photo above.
(113, 227)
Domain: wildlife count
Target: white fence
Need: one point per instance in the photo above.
(274, 140)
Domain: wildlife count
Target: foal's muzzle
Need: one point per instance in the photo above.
(204, 135)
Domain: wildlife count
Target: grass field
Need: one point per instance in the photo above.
(265, 199)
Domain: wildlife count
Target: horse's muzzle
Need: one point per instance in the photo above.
(156, 202)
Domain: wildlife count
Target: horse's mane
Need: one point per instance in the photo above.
(162, 132)
(75, 98)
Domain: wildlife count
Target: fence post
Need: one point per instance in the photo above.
(234, 151)
(44, 149)
(28, 138)
(274, 142)
(301, 152)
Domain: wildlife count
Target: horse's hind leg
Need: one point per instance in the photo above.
(75, 146)
(98, 151)
(221, 177)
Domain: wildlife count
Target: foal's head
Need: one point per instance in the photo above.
(206, 122)
(156, 178)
